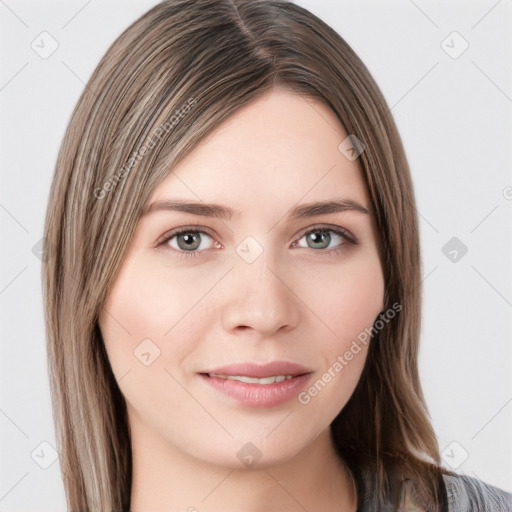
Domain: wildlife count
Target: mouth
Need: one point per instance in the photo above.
(253, 380)
(255, 385)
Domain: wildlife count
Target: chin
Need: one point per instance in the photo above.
(255, 451)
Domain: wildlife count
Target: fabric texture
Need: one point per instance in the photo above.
(463, 494)
(459, 493)
(468, 494)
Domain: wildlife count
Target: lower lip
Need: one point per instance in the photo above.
(259, 395)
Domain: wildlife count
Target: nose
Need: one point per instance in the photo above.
(260, 299)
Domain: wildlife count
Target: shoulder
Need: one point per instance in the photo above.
(468, 494)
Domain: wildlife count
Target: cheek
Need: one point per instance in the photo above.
(145, 304)
(348, 306)
(347, 299)
(147, 334)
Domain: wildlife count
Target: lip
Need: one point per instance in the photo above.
(261, 370)
(259, 395)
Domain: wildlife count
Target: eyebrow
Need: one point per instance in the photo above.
(223, 212)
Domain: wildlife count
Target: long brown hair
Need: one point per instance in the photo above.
(170, 79)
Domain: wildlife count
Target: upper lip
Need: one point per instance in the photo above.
(261, 370)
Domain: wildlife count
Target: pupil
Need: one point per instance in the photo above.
(317, 237)
(189, 242)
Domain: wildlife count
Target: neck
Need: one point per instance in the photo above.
(168, 479)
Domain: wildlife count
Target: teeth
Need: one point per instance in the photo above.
(253, 380)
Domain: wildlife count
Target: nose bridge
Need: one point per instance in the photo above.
(258, 296)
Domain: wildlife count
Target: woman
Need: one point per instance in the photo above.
(233, 309)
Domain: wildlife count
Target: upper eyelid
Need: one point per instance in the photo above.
(204, 229)
(328, 227)
(183, 229)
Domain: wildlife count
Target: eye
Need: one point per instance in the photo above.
(326, 239)
(188, 242)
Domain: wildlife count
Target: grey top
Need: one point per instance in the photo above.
(460, 493)
(468, 494)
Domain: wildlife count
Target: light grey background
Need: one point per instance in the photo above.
(454, 115)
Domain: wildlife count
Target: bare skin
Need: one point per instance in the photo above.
(303, 299)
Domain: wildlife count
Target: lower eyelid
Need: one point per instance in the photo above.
(168, 239)
(346, 238)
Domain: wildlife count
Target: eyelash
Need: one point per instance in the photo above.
(349, 240)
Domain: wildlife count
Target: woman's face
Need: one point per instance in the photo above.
(261, 285)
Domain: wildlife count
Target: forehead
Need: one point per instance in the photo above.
(282, 145)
